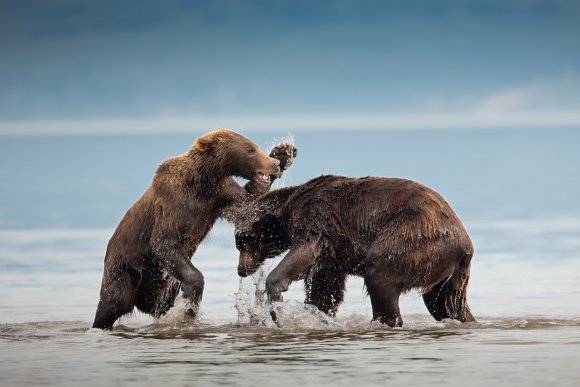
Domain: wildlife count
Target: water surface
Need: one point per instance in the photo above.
(528, 329)
(516, 192)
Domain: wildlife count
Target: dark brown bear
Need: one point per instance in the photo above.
(397, 234)
(148, 258)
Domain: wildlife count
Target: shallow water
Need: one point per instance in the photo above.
(517, 192)
(524, 291)
(424, 354)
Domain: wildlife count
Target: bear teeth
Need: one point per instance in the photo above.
(263, 177)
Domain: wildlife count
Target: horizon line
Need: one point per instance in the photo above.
(296, 123)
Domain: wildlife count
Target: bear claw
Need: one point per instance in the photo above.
(285, 153)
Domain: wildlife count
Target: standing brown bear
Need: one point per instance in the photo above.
(148, 258)
(397, 234)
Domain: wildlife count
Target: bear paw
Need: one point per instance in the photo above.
(285, 153)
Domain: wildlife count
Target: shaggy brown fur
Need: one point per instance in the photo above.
(148, 258)
(397, 234)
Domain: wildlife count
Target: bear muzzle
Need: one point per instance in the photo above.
(247, 265)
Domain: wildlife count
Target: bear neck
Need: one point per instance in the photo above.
(206, 172)
(275, 201)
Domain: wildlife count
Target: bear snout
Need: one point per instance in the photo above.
(242, 272)
(247, 265)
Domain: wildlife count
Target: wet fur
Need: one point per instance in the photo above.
(397, 234)
(148, 258)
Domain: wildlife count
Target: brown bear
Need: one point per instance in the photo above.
(397, 234)
(148, 258)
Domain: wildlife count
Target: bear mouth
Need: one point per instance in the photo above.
(263, 177)
(245, 271)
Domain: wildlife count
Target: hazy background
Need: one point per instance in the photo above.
(76, 59)
(478, 99)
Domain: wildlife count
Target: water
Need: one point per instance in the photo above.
(525, 284)
(527, 306)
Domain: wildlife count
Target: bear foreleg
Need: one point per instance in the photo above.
(325, 290)
(178, 264)
(293, 267)
(192, 284)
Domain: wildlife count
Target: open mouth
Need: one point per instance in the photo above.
(263, 177)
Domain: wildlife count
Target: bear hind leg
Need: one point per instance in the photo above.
(156, 293)
(448, 299)
(116, 300)
(192, 284)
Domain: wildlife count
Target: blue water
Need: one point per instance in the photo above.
(90, 181)
(516, 191)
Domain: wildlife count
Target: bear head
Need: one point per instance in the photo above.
(237, 156)
(258, 240)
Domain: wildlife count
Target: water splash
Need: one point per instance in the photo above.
(289, 139)
(183, 313)
(253, 310)
(296, 315)
(241, 298)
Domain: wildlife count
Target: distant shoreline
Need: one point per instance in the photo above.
(546, 119)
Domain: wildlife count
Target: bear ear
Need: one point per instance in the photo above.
(206, 143)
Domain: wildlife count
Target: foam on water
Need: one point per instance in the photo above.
(294, 318)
